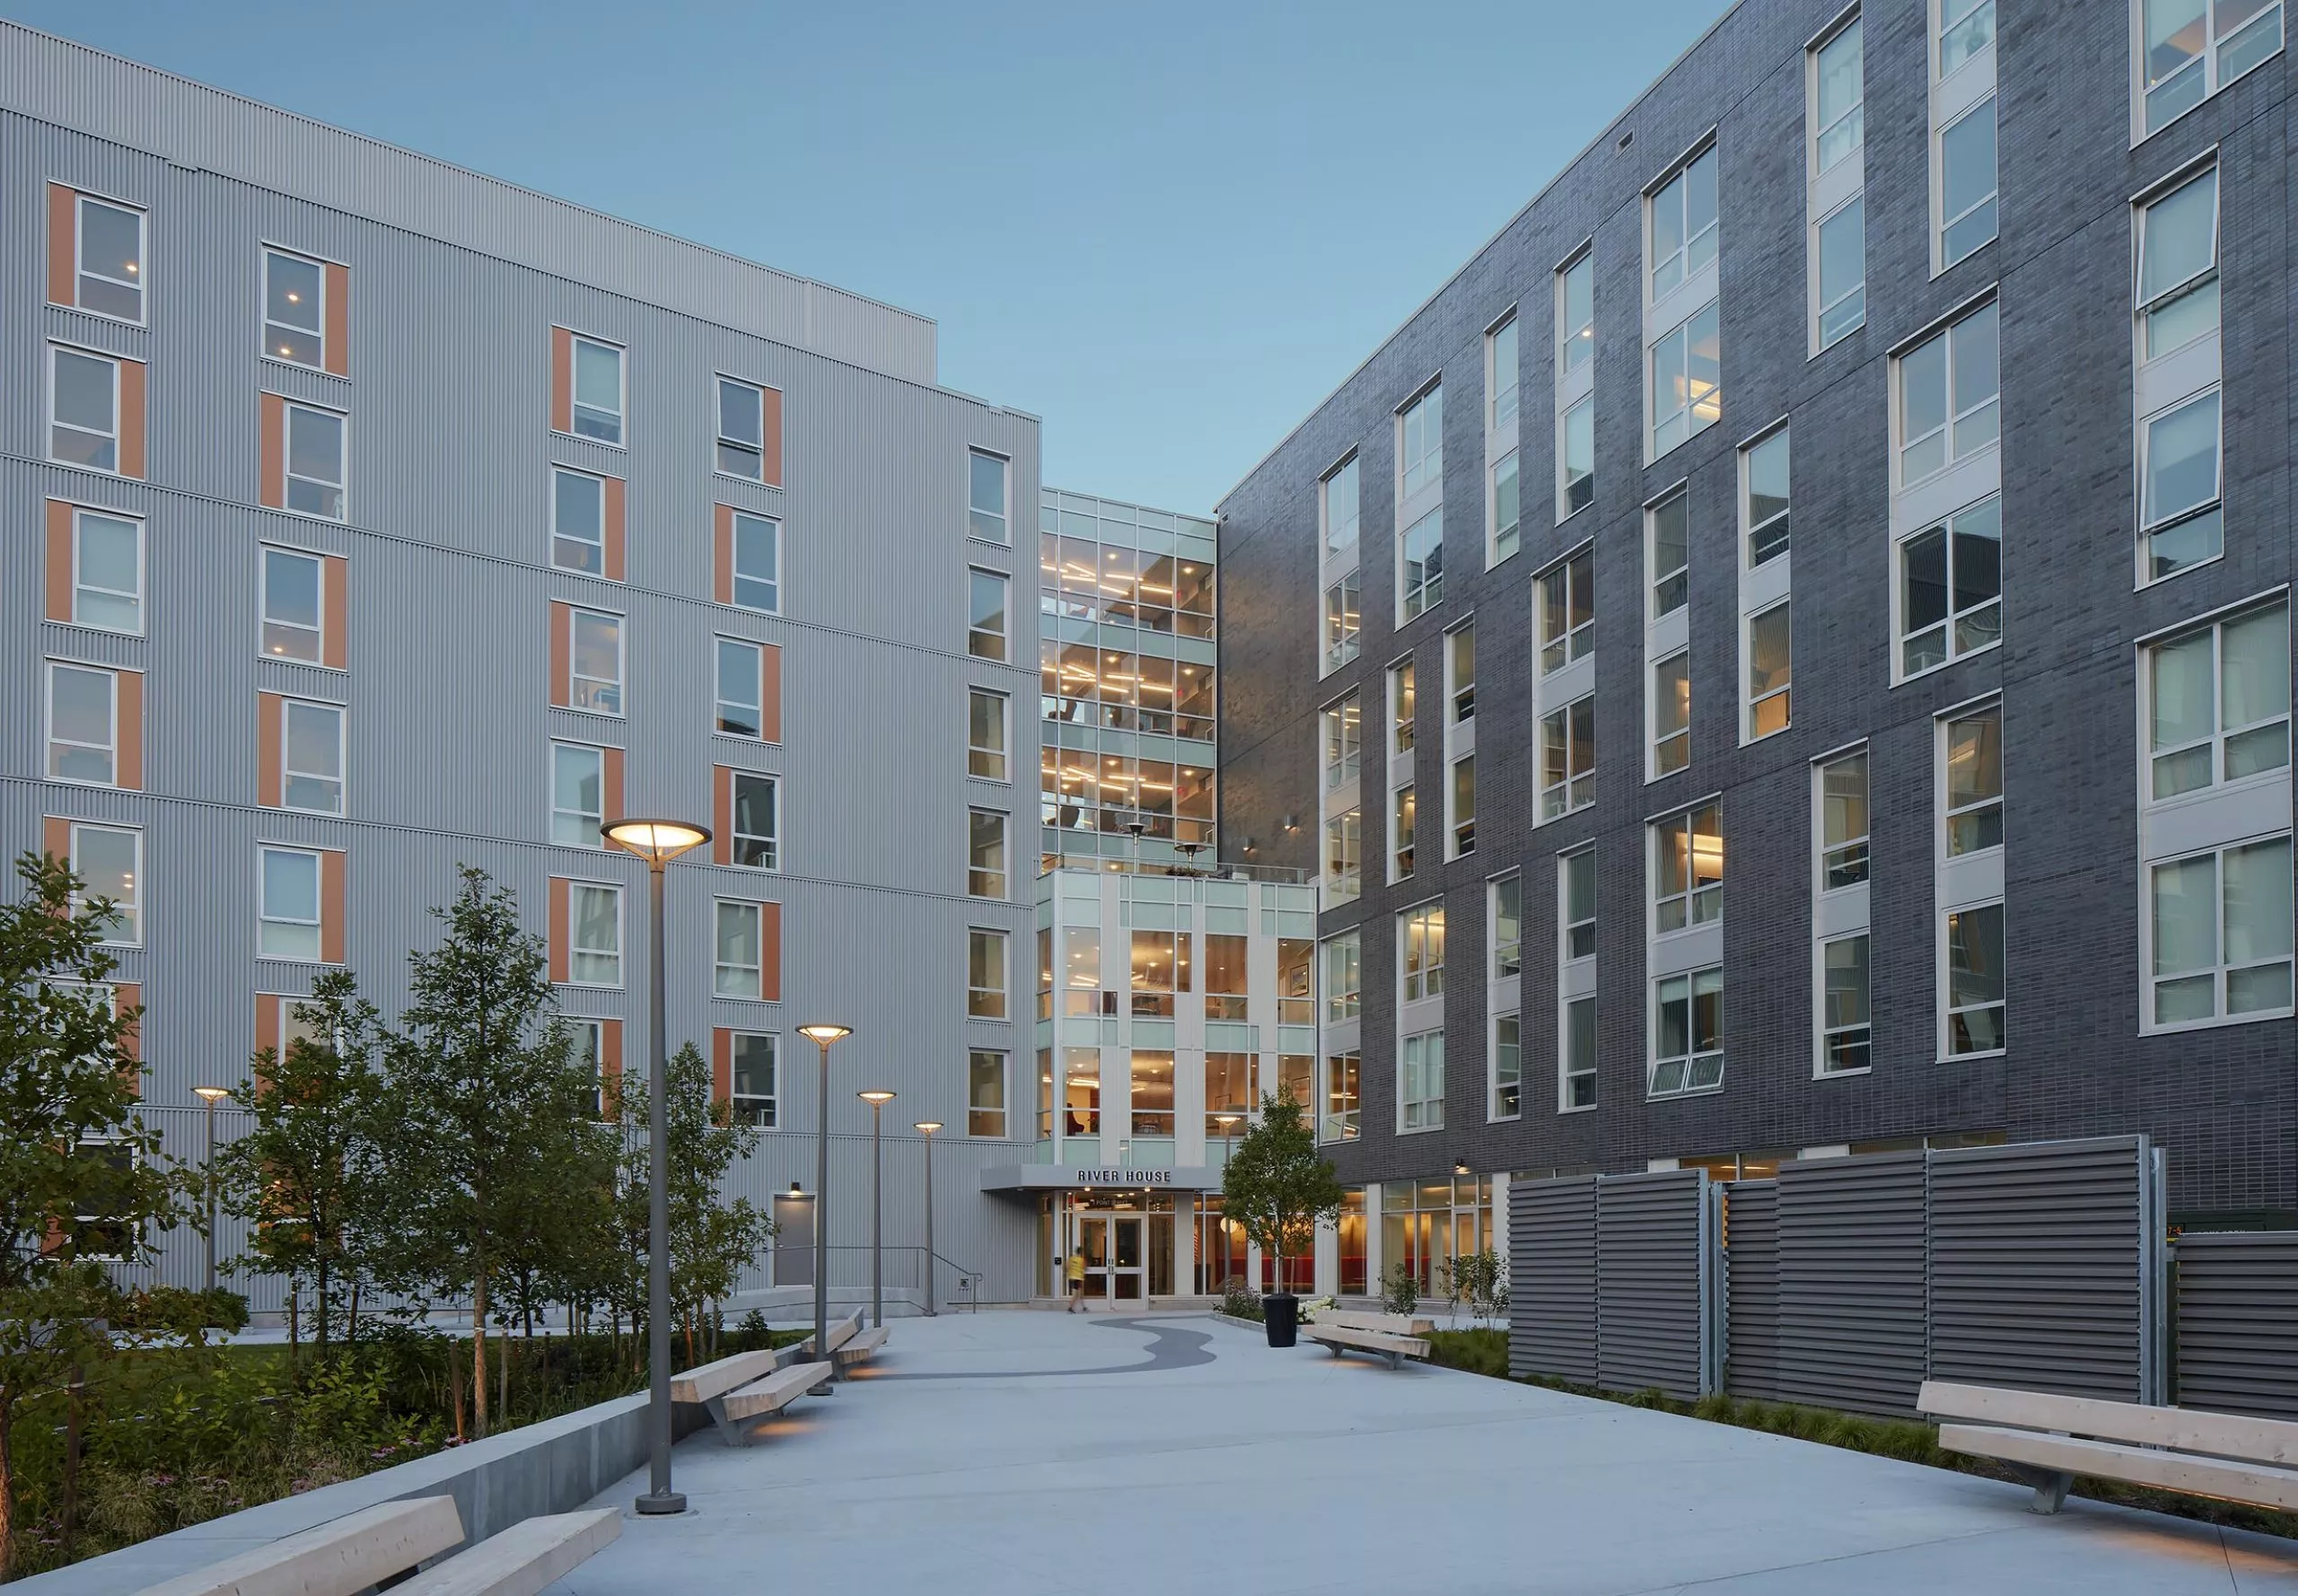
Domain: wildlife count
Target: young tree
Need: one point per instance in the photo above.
(1276, 1184)
(71, 1145)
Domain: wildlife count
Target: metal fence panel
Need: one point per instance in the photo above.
(2237, 1322)
(1851, 1282)
(1751, 1276)
(1651, 1283)
(2038, 1261)
(1552, 1279)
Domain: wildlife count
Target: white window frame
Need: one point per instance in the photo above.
(763, 1108)
(81, 200)
(1824, 336)
(575, 404)
(1404, 796)
(316, 923)
(1423, 923)
(1566, 425)
(576, 952)
(985, 762)
(1574, 571)
(1415, 597)
(1417, 471)
(1503, 541)
(1948, 1008)
(1698, 903)
(1344, 885)
(1421, 1053)
(1003, 870)
(1504, 1082)
(288, 774)
(1691, 980)
(288, 410)
(51, 740)
(991, 1002)
(317, 335)
(265, 619)
(2152, 525)
(1948, 811)
(1757, 696)
(1829, 1030)
(1331, 536)
(1956, 624)
(741, 520)
(2146, 306)
(1577, 790)
(737, 837)
(723, 439)
(1700, 410)
(732, 977)
(1654, 577)
(115, 437)
(979, 1115)
(1751, 528)
(136, 1230)
(615, 684)
(1342, 724)
(132, 902)
(1943, 224)
(2214, 745)
(975, 631)
(1496, 395)
(1343, 1001)
(1826, 862)
(1343, 641)
(1566, 1075)
(1672, 193)
(1003, 514)
(80, 583)
(2222, 967)
(1583, 258)
(1508, 957)
(584, 823)
(1954, 419)
(1403, 724)
(559, 534)
(721, 703)
(1568, 958)
(1460, 829)
(1655, 743)
(2206, 62)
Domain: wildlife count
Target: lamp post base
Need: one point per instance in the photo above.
(654, 1503)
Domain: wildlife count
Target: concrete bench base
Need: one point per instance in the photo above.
(1339, 1338)
(527, 1558)
(349, 1554)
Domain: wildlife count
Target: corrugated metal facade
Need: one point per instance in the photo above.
(1552, 1279)
(1751, 1290)
(1651, 1282)
(2237, 1322)
(1851, 1289)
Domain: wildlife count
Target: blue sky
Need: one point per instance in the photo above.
(1170, 241)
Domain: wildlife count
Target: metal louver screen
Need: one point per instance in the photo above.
(2237, 1322)
(1752, 1265)
(1650, 1284)
(1851, 1286)
(1552, 1279)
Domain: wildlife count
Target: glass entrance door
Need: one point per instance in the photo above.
(1116, 1256)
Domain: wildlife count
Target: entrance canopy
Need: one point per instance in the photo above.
(1029, 1180)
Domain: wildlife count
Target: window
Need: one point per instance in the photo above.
(594, 922)
(1420, 1082)
(1668, 555)
(1406, 825)
(742, 430)
(985, 854)
(1950, 588)
(1967, 182)
(1568, 757)
(1152, 1092)
(1227, 987)
(741, 964)
(984, 1094)
(1833, 197)
(1840, 97)
(1500, 373)
(1296, 1003)
(290, 927)
(1843, 821)
(292, 616)
(1463, 801)
(109, 859)
(1576, 1054)
(1844, 1030)
(83, 409)
(577, 795)
(1420, 457)
(1338, 506)
(985, 499)
(1975, 980)
(1342, 621)
(82, 724)
(108, 259)
(1966, 27)
(986, 619)
(1687, 377)
(595, 663)
(1160, 969)
(1508, 927)
(1771, 665)
(1507, 512)
(106, 571)
(294, 321)
(2192, 48)
(1507, 1067)
(1575, 313)
(1974, 751)
(103, 1234)
(1421, 941)
(1683, 223)
(750, 1079)
(2218, 703)
(1460, 664)
(757, 828)
(986, 974)
(1568, 597)
(1671, 713)
(598, 407)
(986, 735)
(1687, 869)
(311, 757)
(1344, 857)
(578, 521)
(2220, 929)
(1402, 711)
(2178, 265)
(1576, 871)
(2182, 518)
(1576, 459)
(315, 460)
(1343, 1075)
(1763, 498)
(1687, 1033)
(1343, 741)
(741, 687)
(758, 562)
(1344, 976)
(1947, 395)
(1422, 551)
(1843, 272)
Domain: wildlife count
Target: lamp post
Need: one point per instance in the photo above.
(822, 1035)
(927, 1128)
(211, 1096)
(877, 1097)
(658, 842)
(1228, 1124)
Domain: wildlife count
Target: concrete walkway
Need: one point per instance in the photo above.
(1020, 1453)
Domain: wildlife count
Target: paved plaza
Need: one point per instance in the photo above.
(1024, 1453)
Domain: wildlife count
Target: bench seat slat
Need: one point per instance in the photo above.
(350, 1553)
(861, 1346)
(1411, 1347)
(840, 1332)
(716, 1379)
(776, 1391)
(2183, 1429)
(1393, 1324)
(523, 1560)
(2259, 1484)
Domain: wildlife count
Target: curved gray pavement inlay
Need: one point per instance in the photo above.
(1169, 1348)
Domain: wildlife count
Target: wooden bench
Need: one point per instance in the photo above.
(2048, 1440)
(379, 1544)
(1394, 1337)
(838, 1332)
(525, 1559)
(747, 1386)
(858, 1348)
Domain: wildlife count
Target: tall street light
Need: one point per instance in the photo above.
(927, 1128)
(658, 842)
(877, 1097)
(822, 1035)
(211, 1096)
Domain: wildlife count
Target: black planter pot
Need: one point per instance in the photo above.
(1281, 1316)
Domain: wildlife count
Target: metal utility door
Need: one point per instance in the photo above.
(794, 1243)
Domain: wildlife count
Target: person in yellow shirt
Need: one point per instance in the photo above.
(1076, 1282)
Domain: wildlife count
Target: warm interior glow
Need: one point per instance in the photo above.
(825, 1033)
(655, 841)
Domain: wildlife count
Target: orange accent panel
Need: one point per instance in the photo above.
(62, 245)
(56, 838)
(339, 319)
(722, 1064)
(562, 380)
(721, 584)
(270, 765)
(131, 418)
(610, 1063)
(335, 612)
(616, 488)
(59, 560)
(771, 461)
(127, 770)
(769, 951)
(769, 698)
(127, 995)
(556, 930)
(562, 653)
(610, 783)
(269, 1022)
(272, 420)
(721, 815)
(332, 907)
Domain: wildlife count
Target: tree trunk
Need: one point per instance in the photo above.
(7, 1489)
(294, 1323)
(455, 1387)
(479, 1356)
(75, 1417)
(323, 1278)
(503, 1371)
(351, 1331)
